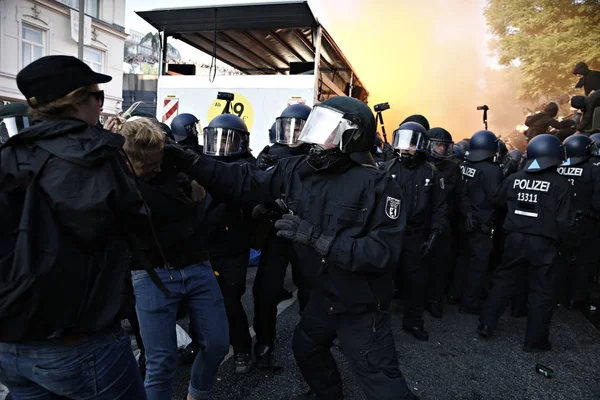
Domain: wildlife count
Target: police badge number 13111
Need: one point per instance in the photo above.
(527, 202)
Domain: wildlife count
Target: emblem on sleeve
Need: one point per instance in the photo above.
(392, 208)
(442, 183)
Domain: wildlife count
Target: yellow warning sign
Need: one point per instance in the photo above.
(240, 106)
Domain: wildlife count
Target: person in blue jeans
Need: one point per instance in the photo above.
(60, 333)
(175, 204)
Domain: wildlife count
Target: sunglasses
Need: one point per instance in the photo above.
(99, 95)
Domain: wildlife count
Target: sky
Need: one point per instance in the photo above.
(426, 56)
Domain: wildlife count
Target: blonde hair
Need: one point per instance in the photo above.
(63, 107)
(142, 137)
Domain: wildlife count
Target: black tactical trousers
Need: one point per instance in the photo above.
(412, 274)
(461, 266)
(480, 248)
(439, 264)
(536, 255)
(232, 280)
(367, 342)
(274, 260)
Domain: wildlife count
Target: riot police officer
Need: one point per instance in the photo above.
(423, 194)
(584, 179)
(440, 150)
(184, 129)
(13, 118)
(277, 253)
(538, 218)
(226, 138)
(481, 178)
(458, 154)
(347, 229)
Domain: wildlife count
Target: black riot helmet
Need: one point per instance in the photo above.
(226, 135)
(464, 145)
(410, 136)
(516, 155)
(579, 148)
(543, 152)
(14, 117)
(184, 126)
(290, 123)
(483, 146)
(343, 123)
(458, 153)
(440, 144)
(419, 119)
(596, 138)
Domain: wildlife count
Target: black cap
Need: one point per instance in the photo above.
(52, 77)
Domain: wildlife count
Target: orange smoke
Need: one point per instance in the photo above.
(426, 57)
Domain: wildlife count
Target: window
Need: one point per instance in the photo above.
(91, 6)
(32, 44)
(93, 58)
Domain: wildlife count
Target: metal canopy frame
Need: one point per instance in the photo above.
(262, 39)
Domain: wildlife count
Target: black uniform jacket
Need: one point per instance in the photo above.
(480, 181)
(423, 193)
(538, 204)
(357, 205)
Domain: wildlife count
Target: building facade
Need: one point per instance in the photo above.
(30, 29)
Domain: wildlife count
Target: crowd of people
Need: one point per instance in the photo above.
(137, 220)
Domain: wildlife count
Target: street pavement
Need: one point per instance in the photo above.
(454, 364)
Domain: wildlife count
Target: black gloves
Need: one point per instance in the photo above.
(304, 232)
(183, 158)
(469, 222)
(265, 160)
(430, 242)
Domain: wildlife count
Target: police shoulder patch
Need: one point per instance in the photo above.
(442, 183)
(392, 207)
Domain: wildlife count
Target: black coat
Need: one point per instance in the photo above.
(538, 124)
(359, 206)
(93, 203)
(480, 181)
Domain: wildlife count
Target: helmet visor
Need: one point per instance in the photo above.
(325, 127)
(288, 130)
(440, 149)
(406, 139)
(223, 142)
(10, 126)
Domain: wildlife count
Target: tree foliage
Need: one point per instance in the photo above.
(547, 37)
(155, 44)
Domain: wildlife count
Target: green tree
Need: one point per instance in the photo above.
(547, 37)
(154, 40)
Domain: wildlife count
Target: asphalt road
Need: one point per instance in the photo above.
(454, 364)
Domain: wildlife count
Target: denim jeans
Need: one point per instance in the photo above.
(100, 366)
(197, 287)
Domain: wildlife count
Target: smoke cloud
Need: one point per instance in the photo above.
(427, 57)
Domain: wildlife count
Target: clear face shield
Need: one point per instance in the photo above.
(408, 140)
(10, 126)
(440, 149)
(325, 127)
(224, 142)
(288, 130)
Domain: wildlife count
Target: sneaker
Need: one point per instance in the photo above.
(243, 363)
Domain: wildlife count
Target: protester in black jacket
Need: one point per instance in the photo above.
(60, 307)
(182, 266)
(540, 123)
(587, 104)
(588, 80)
